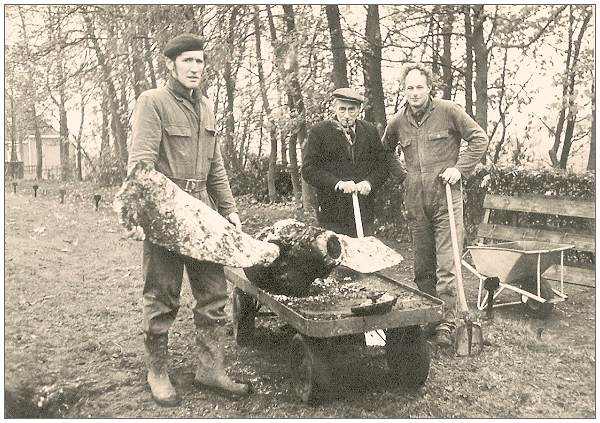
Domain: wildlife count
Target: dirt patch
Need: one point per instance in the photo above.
(73, 339)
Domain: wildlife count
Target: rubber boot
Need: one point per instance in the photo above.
(163, 391)
(210, 373)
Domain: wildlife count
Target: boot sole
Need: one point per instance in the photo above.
(166, 403)
(225, 392)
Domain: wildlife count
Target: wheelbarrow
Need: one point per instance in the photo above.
(518, 267)
(336, 316)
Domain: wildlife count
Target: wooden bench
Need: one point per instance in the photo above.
(584, 242)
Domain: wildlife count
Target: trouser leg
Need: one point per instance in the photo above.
(424, 253)
(446, 271)
(162, 273)
(209, 288)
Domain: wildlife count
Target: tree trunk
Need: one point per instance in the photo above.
(572, 115)
(105, 129)
(375, 107)
(286, 61)
(38, 144)
(229, 77)
(13, 129)
(140, 84)
(553, 152)
(65, 160)
(468, 61)
(338, 48)
(591, 164)
(272, 125)
(119, 132)
(481, 67)
(447, 52)
(149, 62)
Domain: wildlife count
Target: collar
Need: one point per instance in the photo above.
(431, 104)
(180, 91)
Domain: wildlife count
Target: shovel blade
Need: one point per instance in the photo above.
(469, 339)
(368, 254)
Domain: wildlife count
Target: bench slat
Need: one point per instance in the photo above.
(574, 275)
(511, 233)
(544, 205)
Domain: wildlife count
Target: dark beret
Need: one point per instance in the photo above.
(348, 94)
(184, 42)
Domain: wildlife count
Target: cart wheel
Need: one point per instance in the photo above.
(311, 373)
(408, 356)
(535, 307)
(244, 313)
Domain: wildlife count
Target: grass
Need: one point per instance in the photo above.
(73, 339)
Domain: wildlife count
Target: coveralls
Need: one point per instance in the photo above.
(176, 132)
(430, 146)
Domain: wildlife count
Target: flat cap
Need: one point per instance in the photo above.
(348, 94)
(184, 42)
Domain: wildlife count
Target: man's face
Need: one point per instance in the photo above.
(346, 111)
(416, 88)
(187, 68)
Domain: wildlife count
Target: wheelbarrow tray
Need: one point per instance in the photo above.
(516, 260)
(331, 316)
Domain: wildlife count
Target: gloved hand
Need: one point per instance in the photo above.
(363, 188)
(136, 233)
(451, 175)
(347, 187)
(234, 218)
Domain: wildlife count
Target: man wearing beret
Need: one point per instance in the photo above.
(429, 132)
(344, 155)
(173, 128)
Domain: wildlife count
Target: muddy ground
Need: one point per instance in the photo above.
(73, 340)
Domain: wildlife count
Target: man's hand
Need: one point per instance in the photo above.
(451, 176)
(347, 187)
(234, 218)
(136, 233)
(363, 187)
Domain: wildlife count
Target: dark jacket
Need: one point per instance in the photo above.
(327, 159)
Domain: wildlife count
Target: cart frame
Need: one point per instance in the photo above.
(407, 351)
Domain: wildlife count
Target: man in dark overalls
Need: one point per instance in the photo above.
(429, 132)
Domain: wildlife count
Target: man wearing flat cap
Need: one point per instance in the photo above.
(173, 128)
(344, 155)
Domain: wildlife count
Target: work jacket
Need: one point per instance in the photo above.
(430, 146)
(328, 157)
(176, 132)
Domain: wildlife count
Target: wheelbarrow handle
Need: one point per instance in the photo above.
(462, 301)
(357, 216)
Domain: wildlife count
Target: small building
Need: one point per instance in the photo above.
(27, 152)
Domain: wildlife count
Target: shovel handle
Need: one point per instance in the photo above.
(462, 301)
(357, 216)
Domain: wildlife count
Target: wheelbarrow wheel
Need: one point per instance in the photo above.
(408, 356)
(244, 313)
(535, 307)
(310, 370)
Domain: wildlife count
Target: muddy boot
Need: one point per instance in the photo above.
(211, 370)
(158, 378)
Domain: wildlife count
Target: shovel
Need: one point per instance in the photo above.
(373, 337)
(366, 254)
(469, 337)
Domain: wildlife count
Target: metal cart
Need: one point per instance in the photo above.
(323, 324)
(519, 266)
